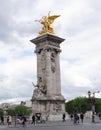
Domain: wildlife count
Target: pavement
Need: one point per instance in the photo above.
(68, 122)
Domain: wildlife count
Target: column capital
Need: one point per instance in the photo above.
(47, 37)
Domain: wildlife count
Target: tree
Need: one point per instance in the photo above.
(1, 112)
(22, 110)
(82, 104)
(79, 104)
(11, 111)
(97, 105)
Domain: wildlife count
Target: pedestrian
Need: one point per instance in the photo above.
(75, 118)
(63, 117)
(46, 116)
(78, 118)
(100, 115)
(24, 121)
(71, 116)
(82, 117)
(33, 120)
(2, 120)
(9, 120)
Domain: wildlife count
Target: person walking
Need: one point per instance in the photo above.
(75, 118)
(100, 115)
(9, 120)
(82, 117)
(2, 120)
(33, 120)
(71, 116)
(63, 117)
(78, 118)
(46, 116)
(24, 121)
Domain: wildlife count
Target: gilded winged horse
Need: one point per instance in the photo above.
(46, 21)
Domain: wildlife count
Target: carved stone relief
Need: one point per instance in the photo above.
(57, 107)
(43, 60)
(53, 62)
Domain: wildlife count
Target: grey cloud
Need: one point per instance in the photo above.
(9, 17)
(20, 88)
(96, 4)
(87, 21)
(26, 29)
(6, 22)
(71, 92)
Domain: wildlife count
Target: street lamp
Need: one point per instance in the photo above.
(89, 94)
(93, 107)
(92, 104)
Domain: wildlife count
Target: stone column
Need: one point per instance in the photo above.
(48, 68)
(48, 73)
(50, 46)
(58, 78)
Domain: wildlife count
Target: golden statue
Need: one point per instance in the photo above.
(46, 21)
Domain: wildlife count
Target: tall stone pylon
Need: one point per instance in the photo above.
(47, 97)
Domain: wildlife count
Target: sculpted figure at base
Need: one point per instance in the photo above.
(40, 87)
(46, 21)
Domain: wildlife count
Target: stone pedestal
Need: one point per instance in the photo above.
(47, 96)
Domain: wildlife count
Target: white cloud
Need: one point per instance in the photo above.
(79, 24)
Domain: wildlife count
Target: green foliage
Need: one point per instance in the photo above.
(11, 111)
(82, 104)
(78, 104)
(19, 110)
(1, 112)
(22, 110)
(98, 105)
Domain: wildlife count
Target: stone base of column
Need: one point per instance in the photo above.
(51, 106)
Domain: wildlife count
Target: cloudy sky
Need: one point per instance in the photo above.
(80, 59)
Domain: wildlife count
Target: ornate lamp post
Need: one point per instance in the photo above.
(89, 94)
(93, 107)
(92, 101)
